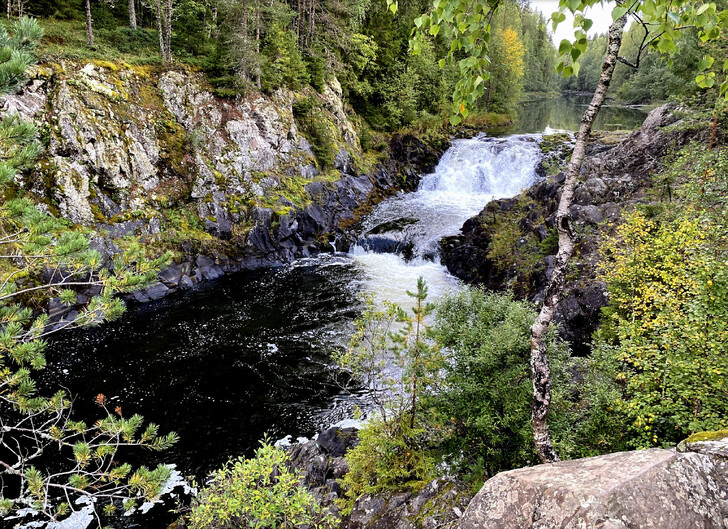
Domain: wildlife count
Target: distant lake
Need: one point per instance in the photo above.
(565, 113)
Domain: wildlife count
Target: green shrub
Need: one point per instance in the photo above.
(257, 493)
(127, 40)
(666, 327)
(316, 70)
(283, 64)
(314, 126)
(390, 457)
(485, 400)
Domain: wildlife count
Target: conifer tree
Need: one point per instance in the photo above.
(43, 256)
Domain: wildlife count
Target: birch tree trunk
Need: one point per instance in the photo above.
(160, 31)
(539, 361)
(132, 15)
(89, 25)
(168, 31)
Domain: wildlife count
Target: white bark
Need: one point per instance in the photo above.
(89, 25)
(539, 360)
(132, 15)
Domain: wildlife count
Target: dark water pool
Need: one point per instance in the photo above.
(223, 366)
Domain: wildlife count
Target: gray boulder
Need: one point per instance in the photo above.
(656, 488)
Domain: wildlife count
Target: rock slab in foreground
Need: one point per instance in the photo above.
(656, 488)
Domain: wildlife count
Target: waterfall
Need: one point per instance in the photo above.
(497, 167)
(400, 238)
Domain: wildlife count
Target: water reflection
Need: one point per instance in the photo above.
(565, 113)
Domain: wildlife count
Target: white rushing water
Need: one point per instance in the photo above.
(400, 237)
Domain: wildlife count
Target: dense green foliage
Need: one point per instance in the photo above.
(260, 493)
(487, 386)
(666, 327)
(246, 45)
(314, 126)
(485, 398)
(390, 456)
(474, 408)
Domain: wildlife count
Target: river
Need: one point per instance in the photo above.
(248, 356)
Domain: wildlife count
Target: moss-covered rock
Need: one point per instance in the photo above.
(701, 437)
(122, 138)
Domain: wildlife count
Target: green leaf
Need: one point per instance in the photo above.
(455, 119)
(705, 63)
(557, 18)
(434, 30)
(564, 47)
(618, 12)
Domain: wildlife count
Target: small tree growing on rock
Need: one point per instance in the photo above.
(393, 354)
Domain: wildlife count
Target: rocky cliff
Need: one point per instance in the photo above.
(153, 154)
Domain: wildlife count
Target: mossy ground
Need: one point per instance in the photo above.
(556, 149)
(66, 40)
(515, 252)
(700, 437)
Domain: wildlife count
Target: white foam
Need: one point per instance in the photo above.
(469, 175)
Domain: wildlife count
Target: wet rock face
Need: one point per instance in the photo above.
(656, 488)
(614, 179)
